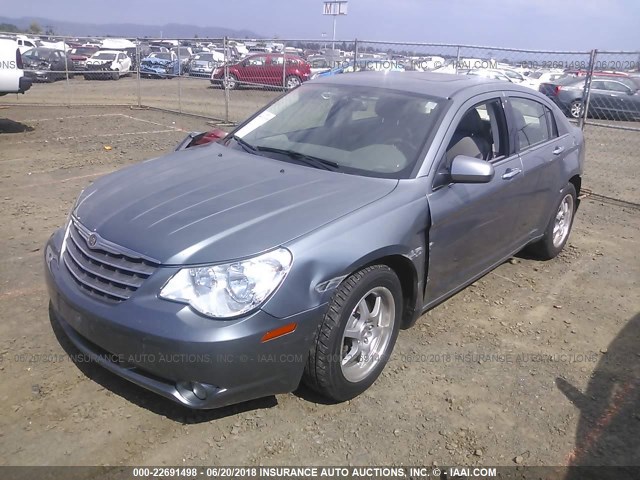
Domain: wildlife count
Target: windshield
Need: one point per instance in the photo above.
(38, 54)
(360, 130)
(206, 57)
(105, 56)
(83, 51)
(161, 55)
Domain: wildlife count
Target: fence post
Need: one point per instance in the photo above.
(66, 71)
(225, 47)
(179, 79)
(586, 93)
(139, 87)
(355, 53)
(284, 70)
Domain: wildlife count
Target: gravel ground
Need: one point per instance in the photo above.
(537, 363)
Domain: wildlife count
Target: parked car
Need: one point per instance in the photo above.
(110, 64)
(47, 65)
(614, 97)
(319, 65)
(25, 43)
(80, 55)
(535, 79)
(202, 64)
(160, 65)
(12, 76)
(362, 65)
(297, 246)
(157, 49)
(489, 73)
(264, 69)
(184, 56)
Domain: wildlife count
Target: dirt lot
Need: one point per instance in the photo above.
(537, 363)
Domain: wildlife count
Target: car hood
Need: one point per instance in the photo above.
(153, 61)
(212, 204)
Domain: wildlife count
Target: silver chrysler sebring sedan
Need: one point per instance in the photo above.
(294, 249)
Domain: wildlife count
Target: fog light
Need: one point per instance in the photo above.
(198, 390)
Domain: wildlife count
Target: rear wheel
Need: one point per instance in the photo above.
(115, 75)
(576, 109)
(357, 334)
(292, 81)
(559, 227)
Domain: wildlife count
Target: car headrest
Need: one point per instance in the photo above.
(471, 122)
(389, 108)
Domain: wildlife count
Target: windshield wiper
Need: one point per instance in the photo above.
(308, 159)
(245, 145)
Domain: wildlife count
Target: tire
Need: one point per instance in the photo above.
(292, 81)
(115, 76)
(576, 109)
(231, 82)
(559, 227)
(337, 367)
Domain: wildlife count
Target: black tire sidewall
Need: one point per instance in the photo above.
(342, 388)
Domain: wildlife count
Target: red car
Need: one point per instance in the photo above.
(264, 69)
(79, 56)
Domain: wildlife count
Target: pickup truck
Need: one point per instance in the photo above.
(12, 78)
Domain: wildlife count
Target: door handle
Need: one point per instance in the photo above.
(510, 173)
(558, 150)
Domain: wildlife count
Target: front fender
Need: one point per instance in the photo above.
(393, 226)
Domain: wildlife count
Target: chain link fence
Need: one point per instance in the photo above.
(226, 79)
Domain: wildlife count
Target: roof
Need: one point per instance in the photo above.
(442, 85)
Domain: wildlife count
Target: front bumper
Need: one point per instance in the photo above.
(169, 349)
(24, 84)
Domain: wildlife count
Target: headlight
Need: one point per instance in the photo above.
(232, 289)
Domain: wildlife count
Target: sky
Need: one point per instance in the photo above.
(534, 24)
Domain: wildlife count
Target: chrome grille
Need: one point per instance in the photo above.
(110, 272)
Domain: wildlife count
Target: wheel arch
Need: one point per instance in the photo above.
(406, 271)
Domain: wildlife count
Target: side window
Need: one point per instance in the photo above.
(481, 133)
(277, 61)
(551, 120)
(531, 122)
(257, 61)
(616, 87)
(598, 85)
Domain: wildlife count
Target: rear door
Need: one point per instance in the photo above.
(624, 104)
(275, 70)
(534, 133)
(474, 226)
(252, 70)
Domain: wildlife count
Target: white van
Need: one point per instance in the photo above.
(12, 79)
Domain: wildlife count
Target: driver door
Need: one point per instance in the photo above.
(474, 226)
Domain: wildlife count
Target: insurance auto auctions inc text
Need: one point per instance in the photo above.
(373, 472)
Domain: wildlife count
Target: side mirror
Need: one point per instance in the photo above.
(471, 170)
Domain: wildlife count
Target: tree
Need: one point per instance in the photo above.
(35, 28)
(9, 28)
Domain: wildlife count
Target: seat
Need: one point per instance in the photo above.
(470, 138)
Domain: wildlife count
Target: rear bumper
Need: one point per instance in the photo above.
(169, 349)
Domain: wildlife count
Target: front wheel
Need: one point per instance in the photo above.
(115, 75)
(357, 334)
(230, 83)
(557, 232)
